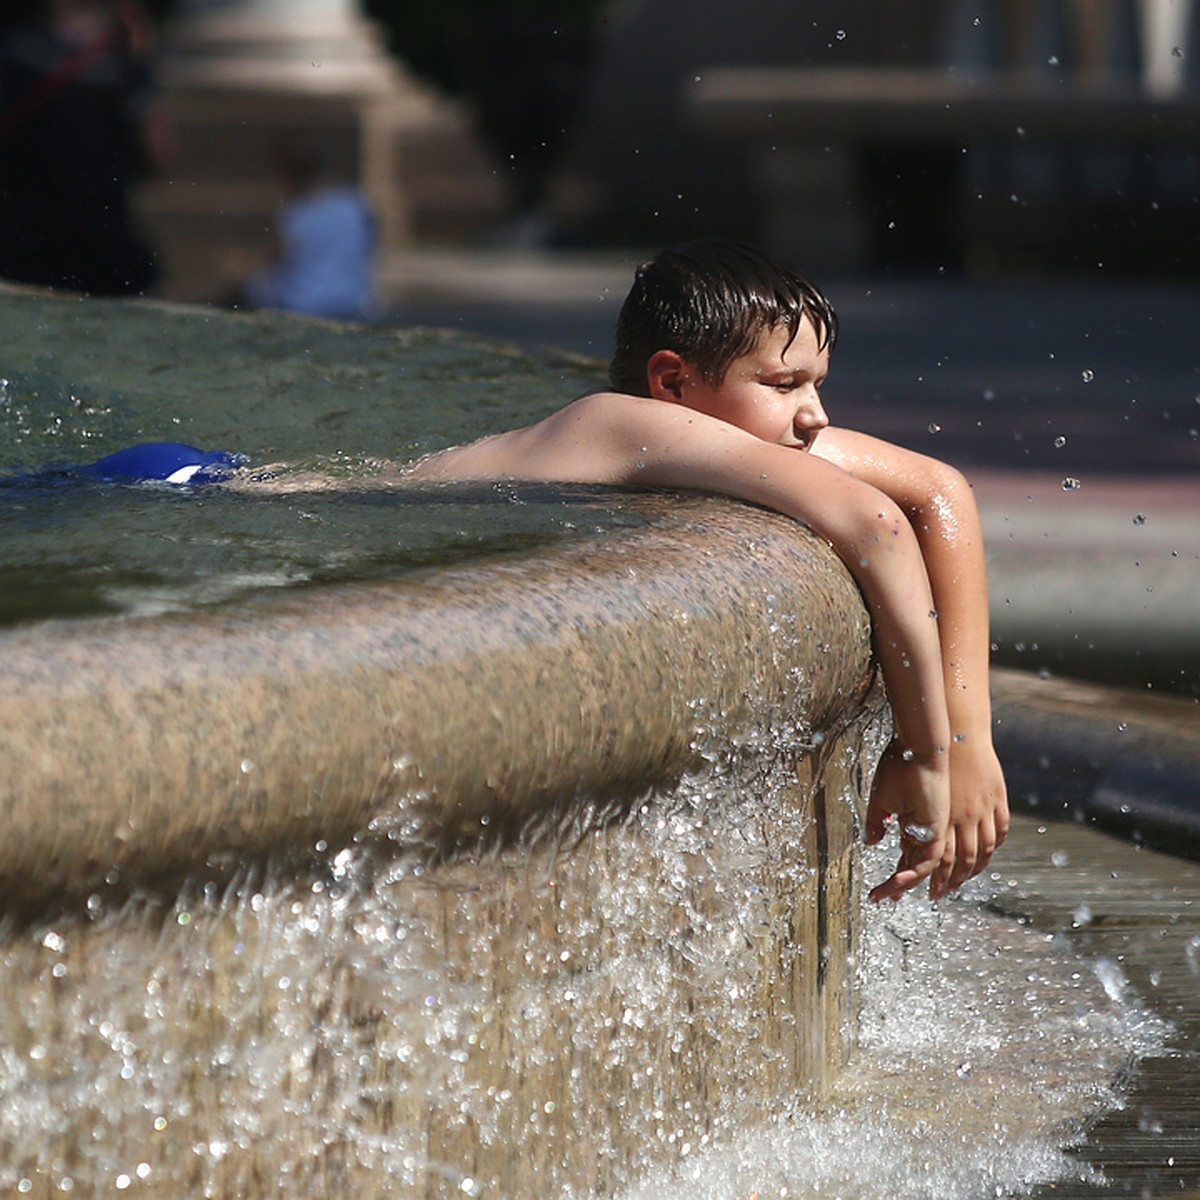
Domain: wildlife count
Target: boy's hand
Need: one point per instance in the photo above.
(978, 815)
(917, 793)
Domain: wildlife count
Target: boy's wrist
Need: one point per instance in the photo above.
(933, 758)
(971, 739)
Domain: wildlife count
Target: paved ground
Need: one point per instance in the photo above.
(1075, 409)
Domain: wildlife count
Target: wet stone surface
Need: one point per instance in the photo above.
(1137, 911)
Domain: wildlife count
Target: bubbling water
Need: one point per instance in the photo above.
(985, 1051)
(388, 1026)
(385, 1026)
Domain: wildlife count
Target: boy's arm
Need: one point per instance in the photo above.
(668, 446)
(941, 508)
(624, 440)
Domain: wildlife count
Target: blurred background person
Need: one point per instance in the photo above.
(77, 127)
(326, 254)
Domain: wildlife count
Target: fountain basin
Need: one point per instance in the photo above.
(548, 842)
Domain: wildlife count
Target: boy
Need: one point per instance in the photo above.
(717, 373)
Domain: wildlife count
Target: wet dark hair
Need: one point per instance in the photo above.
(710, 301)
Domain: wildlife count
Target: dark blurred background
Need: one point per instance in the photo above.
(980, 138)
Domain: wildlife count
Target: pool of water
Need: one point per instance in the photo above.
(80, 379)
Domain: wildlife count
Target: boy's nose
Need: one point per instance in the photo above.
(811, 417)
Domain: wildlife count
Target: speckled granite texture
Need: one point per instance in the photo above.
(482, 698)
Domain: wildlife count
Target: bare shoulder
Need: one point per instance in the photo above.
(594, 439)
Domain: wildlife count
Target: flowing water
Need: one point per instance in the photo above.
(170, 1044)
(1036, 1036)
(270, 1040)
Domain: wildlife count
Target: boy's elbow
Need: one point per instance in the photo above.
(875, 521)
(950, 480)
(944, 496)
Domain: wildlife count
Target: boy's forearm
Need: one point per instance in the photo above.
(874, 539)
(950, 537)
(907, 646)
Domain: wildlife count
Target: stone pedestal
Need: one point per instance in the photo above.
(241, 80)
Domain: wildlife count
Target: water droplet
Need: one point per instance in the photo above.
(1177, 52)
(1059, 858)
(934, 427)
(918, 833)
(1071, 484)
(1052, 61)
(1192, 954)
(1140, 519)
(840, 35)
(1087, 375)
(976, 21)
(1060, 441)
(907, 755)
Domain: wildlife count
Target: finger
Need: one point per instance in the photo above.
(902, 880)
(966, 851)
(990, 838)
(917, 862)
(1001, 826)
(939, 881)
(878, 817)
(981, 863)
(895, 885)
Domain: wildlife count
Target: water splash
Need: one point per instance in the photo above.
(986, 1048)
(377, 1025)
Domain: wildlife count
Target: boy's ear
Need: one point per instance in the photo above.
(665, 374)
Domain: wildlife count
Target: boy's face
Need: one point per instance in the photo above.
(771, 392)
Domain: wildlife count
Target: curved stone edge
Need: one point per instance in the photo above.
(473, 701)
(1125, 761)
(602, 942)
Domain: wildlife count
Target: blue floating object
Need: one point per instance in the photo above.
(164, 462)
